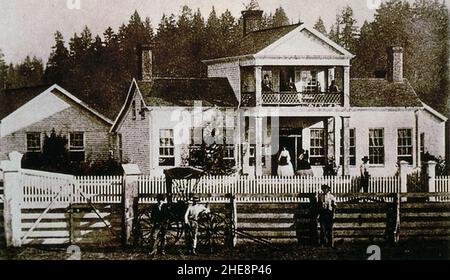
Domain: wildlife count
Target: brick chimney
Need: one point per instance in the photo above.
(145, 62)
(252, 20)
(395, 65)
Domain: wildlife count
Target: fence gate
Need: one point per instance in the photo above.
(417, 182)
(64, 209)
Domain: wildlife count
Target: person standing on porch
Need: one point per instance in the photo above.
(285, 167)
(326, 209)
(364, 169)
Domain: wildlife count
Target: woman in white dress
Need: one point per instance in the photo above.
(285, 167)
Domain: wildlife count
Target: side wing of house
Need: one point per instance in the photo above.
(432, 132)
(133, 131)
(54, 109)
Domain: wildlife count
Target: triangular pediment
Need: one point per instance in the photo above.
(304, 42)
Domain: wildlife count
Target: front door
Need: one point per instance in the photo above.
(294, 145)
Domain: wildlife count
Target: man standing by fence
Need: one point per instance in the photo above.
(327, 206)
(364, 168)
(159, 219)
(191, 217)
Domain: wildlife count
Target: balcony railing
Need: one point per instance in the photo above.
(309, 99)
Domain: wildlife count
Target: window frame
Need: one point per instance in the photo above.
(33, 149)
(169, 147)
(410, 146)
(422, 146)
(383, 146)
(77, 149)
(352, 148)
(313, 157)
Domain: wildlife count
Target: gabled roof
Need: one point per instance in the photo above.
(180, 92)
(434, 112)
(13, 99)
(256, 41)
(185, 91)
(260, 40)
(382, 93)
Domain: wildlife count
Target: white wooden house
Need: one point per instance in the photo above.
(277, 86)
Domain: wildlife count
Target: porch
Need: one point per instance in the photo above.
(310, 86)
(318, 137)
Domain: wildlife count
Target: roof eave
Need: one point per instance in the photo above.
(434, 112)
(228, 59)
(122, 110)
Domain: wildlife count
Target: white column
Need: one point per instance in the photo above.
(403, 178)
(345, 136)
(258, 86)
(417, 143)
(259, 143)
(346, 86)
(337, 143)
(330, 76)
(431, 173)
(130, 200)
(13, 195)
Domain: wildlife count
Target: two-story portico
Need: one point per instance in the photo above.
(297, 77)
(293, 84)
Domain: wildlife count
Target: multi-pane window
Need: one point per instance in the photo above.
(34, 142)
(404, 145)
(317, 146)
(252, 155)
(228, 141)
(376, 146)
(166, 148)
(307, 80)
(352, 146)
(76, 146)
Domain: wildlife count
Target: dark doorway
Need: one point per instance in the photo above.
(294, 145)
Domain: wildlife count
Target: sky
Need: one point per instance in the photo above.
(27, 27)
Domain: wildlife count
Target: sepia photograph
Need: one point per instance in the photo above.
(239, 132)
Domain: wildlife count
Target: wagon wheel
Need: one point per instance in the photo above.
(173, 233)
(144, 228)
(212, 231)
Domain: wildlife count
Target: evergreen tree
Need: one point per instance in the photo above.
(320, 26)
(3, 70)
(57, 62)
(279, 18)
(422, 30)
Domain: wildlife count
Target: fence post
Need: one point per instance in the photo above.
(313, 225)
(431, 173)
(130, 201)
(403, 178)
(233, 222)
(13, 192)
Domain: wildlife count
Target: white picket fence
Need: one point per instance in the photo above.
(443, 185)
(272, 185)
(43, 188)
